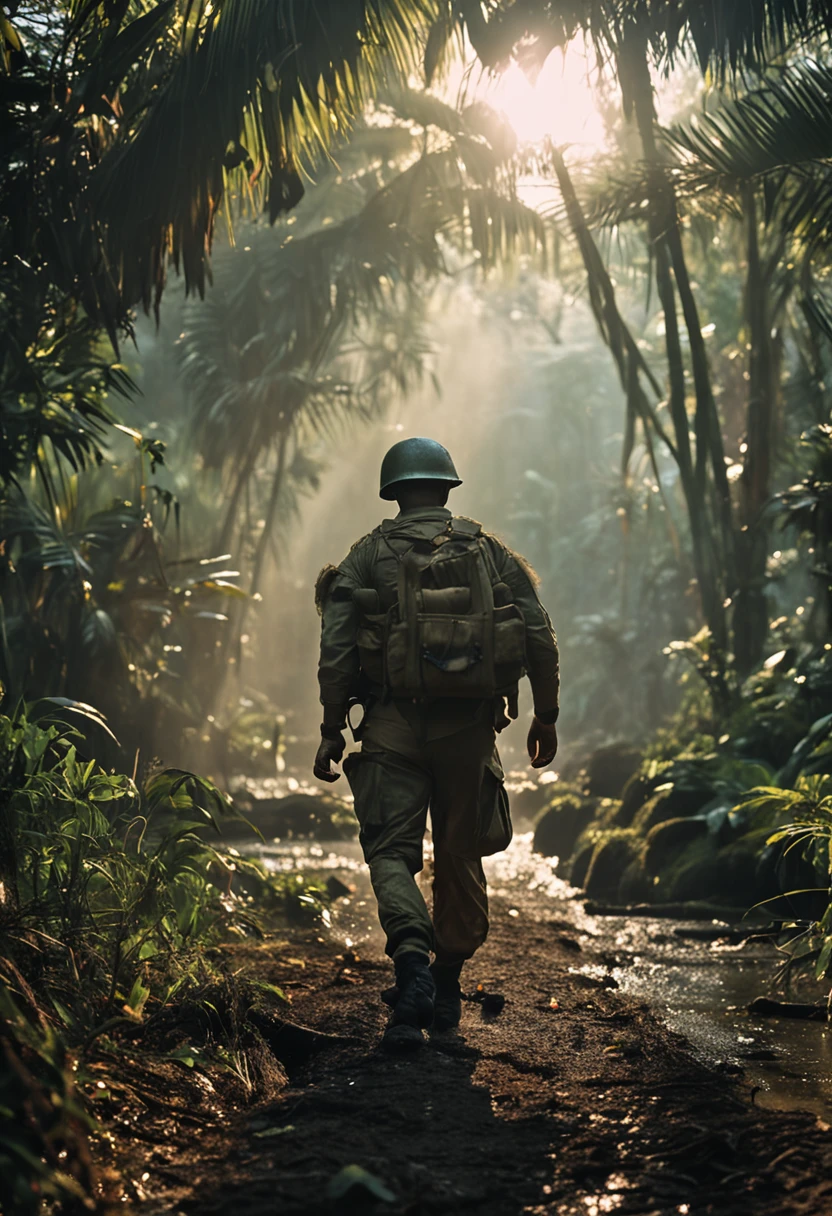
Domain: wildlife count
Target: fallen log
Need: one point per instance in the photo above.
(689, 910)
(765, 1007)
(713, 933)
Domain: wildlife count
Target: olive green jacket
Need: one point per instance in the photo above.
(372, 563)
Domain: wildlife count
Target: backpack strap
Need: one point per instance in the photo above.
(465, 527)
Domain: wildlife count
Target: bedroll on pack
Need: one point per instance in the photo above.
(455, 630)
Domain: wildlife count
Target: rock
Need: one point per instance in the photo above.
(616, 848)
(634, 887)
(610, 768)
(736, 873)
(670, 802)
(634, 795)
(692, 875)
(667, 840)
(705, 869)
(558, 828)
(579, 865)
(528, 798)
(322, 817)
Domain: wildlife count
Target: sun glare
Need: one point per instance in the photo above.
(559, 105)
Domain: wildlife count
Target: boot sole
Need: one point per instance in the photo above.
(402, 1039)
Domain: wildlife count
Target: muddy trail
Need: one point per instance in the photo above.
(574, 1099)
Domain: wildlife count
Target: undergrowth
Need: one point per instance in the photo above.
(113, 903)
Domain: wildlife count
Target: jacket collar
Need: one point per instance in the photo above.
(427, 513)
(426, 522)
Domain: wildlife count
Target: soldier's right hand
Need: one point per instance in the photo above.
(330, 750)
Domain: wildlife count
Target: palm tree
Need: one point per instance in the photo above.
(311, 322)
(728, 547)
(97, 200)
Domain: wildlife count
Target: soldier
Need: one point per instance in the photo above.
(430, 623)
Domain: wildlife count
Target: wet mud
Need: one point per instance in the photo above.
(577, 1098)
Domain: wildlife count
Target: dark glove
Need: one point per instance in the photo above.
(542, 743)
(330, 751)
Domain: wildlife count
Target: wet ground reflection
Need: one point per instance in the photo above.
(700, 989)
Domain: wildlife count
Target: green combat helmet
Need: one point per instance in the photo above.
(416, 460)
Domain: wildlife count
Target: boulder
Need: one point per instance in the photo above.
(692, 876)
(610, 768)
(579, 864)
(634, 795)
(736, 873)
(558, 828)
(635, 887)
(319, 816)
(710, 872)
(615, 850)
(528, 799)
(670, 802)
(666, 841)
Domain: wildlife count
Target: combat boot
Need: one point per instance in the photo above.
(413, 1008)
(448, 1003)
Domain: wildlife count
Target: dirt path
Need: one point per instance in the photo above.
(591, 1107)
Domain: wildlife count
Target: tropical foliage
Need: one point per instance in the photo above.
(304, 222)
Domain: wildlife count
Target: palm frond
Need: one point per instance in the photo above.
(783, 123)
(778, 136)
(278, 78)
(729, 35)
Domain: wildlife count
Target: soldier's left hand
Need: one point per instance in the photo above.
(542, 743)
(330, 750)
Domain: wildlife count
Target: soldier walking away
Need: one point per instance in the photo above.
(429, 623)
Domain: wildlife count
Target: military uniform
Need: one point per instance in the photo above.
(439, 754)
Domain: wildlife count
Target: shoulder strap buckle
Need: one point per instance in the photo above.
(465, 527)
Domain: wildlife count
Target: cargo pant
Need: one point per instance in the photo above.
(395, 778)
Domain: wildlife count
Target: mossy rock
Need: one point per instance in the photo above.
(610, 768)
(692, 876)
(666, 841)
(707, 871)
(670, 802)
(579, 864)
(319, 816)
(561, 823)
(735, 877)
(529, 801)
(635, 887)
(634, 795)
(614, 851)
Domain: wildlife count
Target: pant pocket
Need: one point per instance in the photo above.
(390, 805)
(495, 828)
(365, 780)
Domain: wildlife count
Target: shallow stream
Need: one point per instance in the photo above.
(700, 989)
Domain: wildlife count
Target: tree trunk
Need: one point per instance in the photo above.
(628, 358)
(750, 607)
(271, 511)
(666, 243)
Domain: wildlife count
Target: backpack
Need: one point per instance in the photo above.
(454, 630)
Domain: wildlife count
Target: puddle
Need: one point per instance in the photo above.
(700, 989)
